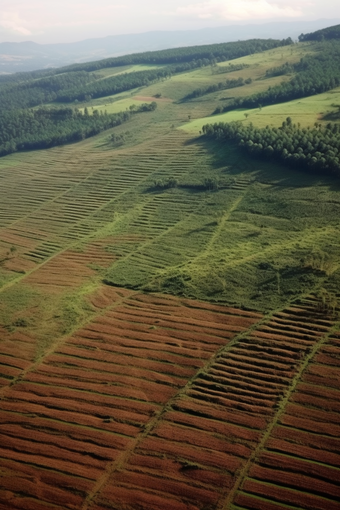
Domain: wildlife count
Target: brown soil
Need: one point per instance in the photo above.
(123, 409)
(289, 497)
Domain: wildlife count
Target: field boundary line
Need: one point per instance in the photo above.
(220, 226)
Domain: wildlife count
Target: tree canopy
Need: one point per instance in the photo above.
(316, 149)
(320, 35)
(314, 74)
(44, 127)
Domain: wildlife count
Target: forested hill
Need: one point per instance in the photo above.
(314, 74)
(220, 52)
(42, 128)
(22, 128)
(79, 83)
(320, 35)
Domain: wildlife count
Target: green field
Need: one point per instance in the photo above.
(304, 111)
(115, 71)
(264, 236)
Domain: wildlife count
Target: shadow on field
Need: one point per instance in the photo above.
(267, 171)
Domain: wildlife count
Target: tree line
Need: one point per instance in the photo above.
(48, 127)
(224, 85)
(218, 52)
(78, 83)
(315, 149)
(320, 35)
(34, 92)
(280, 70)
(314, 74)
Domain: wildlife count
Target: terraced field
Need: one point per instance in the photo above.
(162, 347)
(70, 417)
(161, 402)
(299, 463)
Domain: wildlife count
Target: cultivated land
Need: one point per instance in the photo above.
(167, 347)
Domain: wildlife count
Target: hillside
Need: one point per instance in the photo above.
(169, 309)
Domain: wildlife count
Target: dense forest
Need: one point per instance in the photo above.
(47, 127)
(316, 149)
(314, 74)
(320, 35)
(40, 91)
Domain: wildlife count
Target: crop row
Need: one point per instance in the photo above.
(87, 405)
(300, 463)
(61, 201)
(193, 456)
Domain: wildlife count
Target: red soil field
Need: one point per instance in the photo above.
(319, 442)
(109, 381)
(300, 463)
(200, 438)
(290, 465)
(287, 496)
(215, 427)
(318, 391)
(130, 497)
(296, 480)
(174, 469)
(150, 405)
(18, 264)
(328, 404)
(99, 380)
(256, 503)
(304, 452)
(162, 484)
(219, 414)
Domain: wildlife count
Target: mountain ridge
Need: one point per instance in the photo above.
(30, 56)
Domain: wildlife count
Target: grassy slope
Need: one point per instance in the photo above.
(252, 243)
(305, 111)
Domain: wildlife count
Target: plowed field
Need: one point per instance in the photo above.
(165, 403)
(299, 464)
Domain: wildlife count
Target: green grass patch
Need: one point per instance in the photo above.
(252, 241)
(115, 71)
(304, 111)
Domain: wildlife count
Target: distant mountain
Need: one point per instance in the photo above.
(29, 56)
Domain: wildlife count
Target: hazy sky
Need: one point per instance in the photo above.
(51, 21)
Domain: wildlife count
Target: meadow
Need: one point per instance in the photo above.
(169, 328)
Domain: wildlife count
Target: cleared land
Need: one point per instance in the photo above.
(224, 397)
(304, 111)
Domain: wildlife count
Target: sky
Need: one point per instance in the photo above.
(57, 21)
